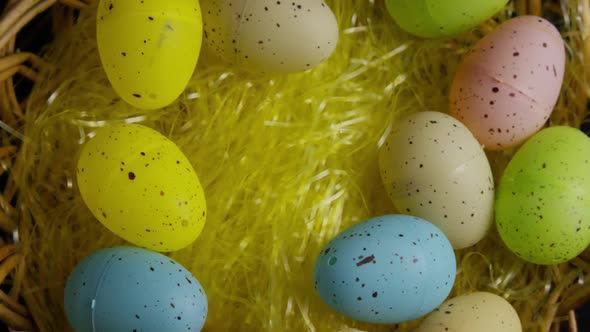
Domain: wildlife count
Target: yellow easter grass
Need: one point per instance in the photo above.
(286, 161)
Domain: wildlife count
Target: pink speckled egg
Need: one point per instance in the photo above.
(506, 87)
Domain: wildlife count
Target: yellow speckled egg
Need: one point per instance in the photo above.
(149, 48)
(479, 311)
(140, 185)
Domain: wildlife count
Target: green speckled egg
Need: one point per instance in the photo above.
(141, 186)
(543, 199)
(436, 18)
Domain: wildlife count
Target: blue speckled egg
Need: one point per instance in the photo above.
(133, 289)
(387, 270)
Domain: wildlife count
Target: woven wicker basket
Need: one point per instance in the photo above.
(18, 68)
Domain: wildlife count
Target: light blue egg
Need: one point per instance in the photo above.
(132, 289)
(387, 270)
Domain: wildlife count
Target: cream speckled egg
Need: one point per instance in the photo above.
(506, 88)
(433, 168)
(270, 36)
(480, 311)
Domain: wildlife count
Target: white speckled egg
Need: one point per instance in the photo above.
(506, 88)
(480, 311)
(432, 167)
(270, 36)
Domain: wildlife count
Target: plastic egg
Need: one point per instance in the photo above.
(149, 49)
(139, 185)
(505, 89)
(268, 35)
(435, 18)
(388, 269)
(133, 289)
(543, 203)
(432, 167)
(480, 311)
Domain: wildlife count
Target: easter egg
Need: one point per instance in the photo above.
(140, 185)
(270, 36)
(543, 202)
(432, 167)
(506, 87)
(480, 311)
(149, 49)
(435, 18)
(387, 270)
(133, 289)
